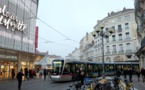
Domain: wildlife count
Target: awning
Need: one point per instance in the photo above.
(16, 53)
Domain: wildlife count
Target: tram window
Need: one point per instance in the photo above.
(66, 69)
(95, 68)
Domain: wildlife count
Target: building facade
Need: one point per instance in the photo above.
(140, 20)
(17, 35)
(121, 45)
(85, 42)
(75, 54)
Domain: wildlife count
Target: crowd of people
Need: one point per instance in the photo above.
(129, 72)
(25, 74)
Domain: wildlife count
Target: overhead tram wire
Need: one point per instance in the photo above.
(47, 41)
(49, 25)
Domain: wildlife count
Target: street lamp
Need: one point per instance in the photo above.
(103, 34)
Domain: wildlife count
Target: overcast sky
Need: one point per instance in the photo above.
(71, 19)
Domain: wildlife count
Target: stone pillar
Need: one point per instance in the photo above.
(19, 62)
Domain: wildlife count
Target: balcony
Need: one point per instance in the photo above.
(108, 53)
(120, 39)
(128, 51)
(127, 38)
(107, 41)
(114, 52)
(121, 51)
(119, 30)
(113, 40)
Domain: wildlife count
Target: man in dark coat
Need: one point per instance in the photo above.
(118, 73)
(44, 73)
(19, 78)
(130, 72)
(82, 75)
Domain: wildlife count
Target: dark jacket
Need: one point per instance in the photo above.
(130, 72)
(138, 73)
(19, 76)
(45, 72)
(118, 73)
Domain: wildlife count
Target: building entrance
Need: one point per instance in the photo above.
(6, 69)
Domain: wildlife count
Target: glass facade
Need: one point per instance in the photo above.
(19, 33)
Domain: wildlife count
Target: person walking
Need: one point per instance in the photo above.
(125, 73)
(82, 75)
(44, 73)
(138, 74)
(130, 72)
(19, 78)
(143, 74)
(118, 73)
(13, 73)
(26, 73)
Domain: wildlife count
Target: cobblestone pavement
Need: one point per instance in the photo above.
(40, 84)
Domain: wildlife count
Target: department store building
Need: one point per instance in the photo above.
(18, 36)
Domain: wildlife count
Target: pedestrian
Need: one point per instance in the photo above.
(130, 72)
(138, 74)
(82, 75)
(26, 73)
(19, 78)
(44, 73)
(125, 73)
(143, 74)
(13, 73)
(118, 73)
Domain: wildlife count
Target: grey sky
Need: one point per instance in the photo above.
(73, 18)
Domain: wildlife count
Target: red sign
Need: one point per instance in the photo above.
(36, 38)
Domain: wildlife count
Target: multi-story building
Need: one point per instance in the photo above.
(86, 41)
(17, 35)
(75, 54)
(121, 45)
(140, 20)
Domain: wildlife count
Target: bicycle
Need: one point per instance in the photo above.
(75, 86)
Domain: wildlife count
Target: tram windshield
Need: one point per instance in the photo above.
(57, 67)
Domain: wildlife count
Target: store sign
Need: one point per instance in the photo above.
(10, 20)
(8, 57)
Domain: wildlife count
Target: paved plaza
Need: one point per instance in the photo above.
(40, 84)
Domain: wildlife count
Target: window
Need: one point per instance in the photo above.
(121, 47)
(106, 22)
(114, 47)
(127, 18)
(127, 35)
(128, 46)
(119, 19)
(126, 26)
(107, 39)
(120, 36)
(113, 37)
(108, 49)
(119, 28)
(106, 29)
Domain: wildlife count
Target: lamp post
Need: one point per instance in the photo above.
(103, 35)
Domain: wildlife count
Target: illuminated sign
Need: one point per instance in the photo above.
(8, 57)
(10, 20)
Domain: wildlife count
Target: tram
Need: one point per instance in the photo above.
(65, 69)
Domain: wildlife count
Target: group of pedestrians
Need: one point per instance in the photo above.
(129, 72)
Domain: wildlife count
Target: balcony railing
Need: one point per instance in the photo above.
(114, 52)
(107, 41)
(121, 51)
(119, 30)
(108, 52)
(127, 38)
(113, 40)
(129, 50)
(120, 39)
